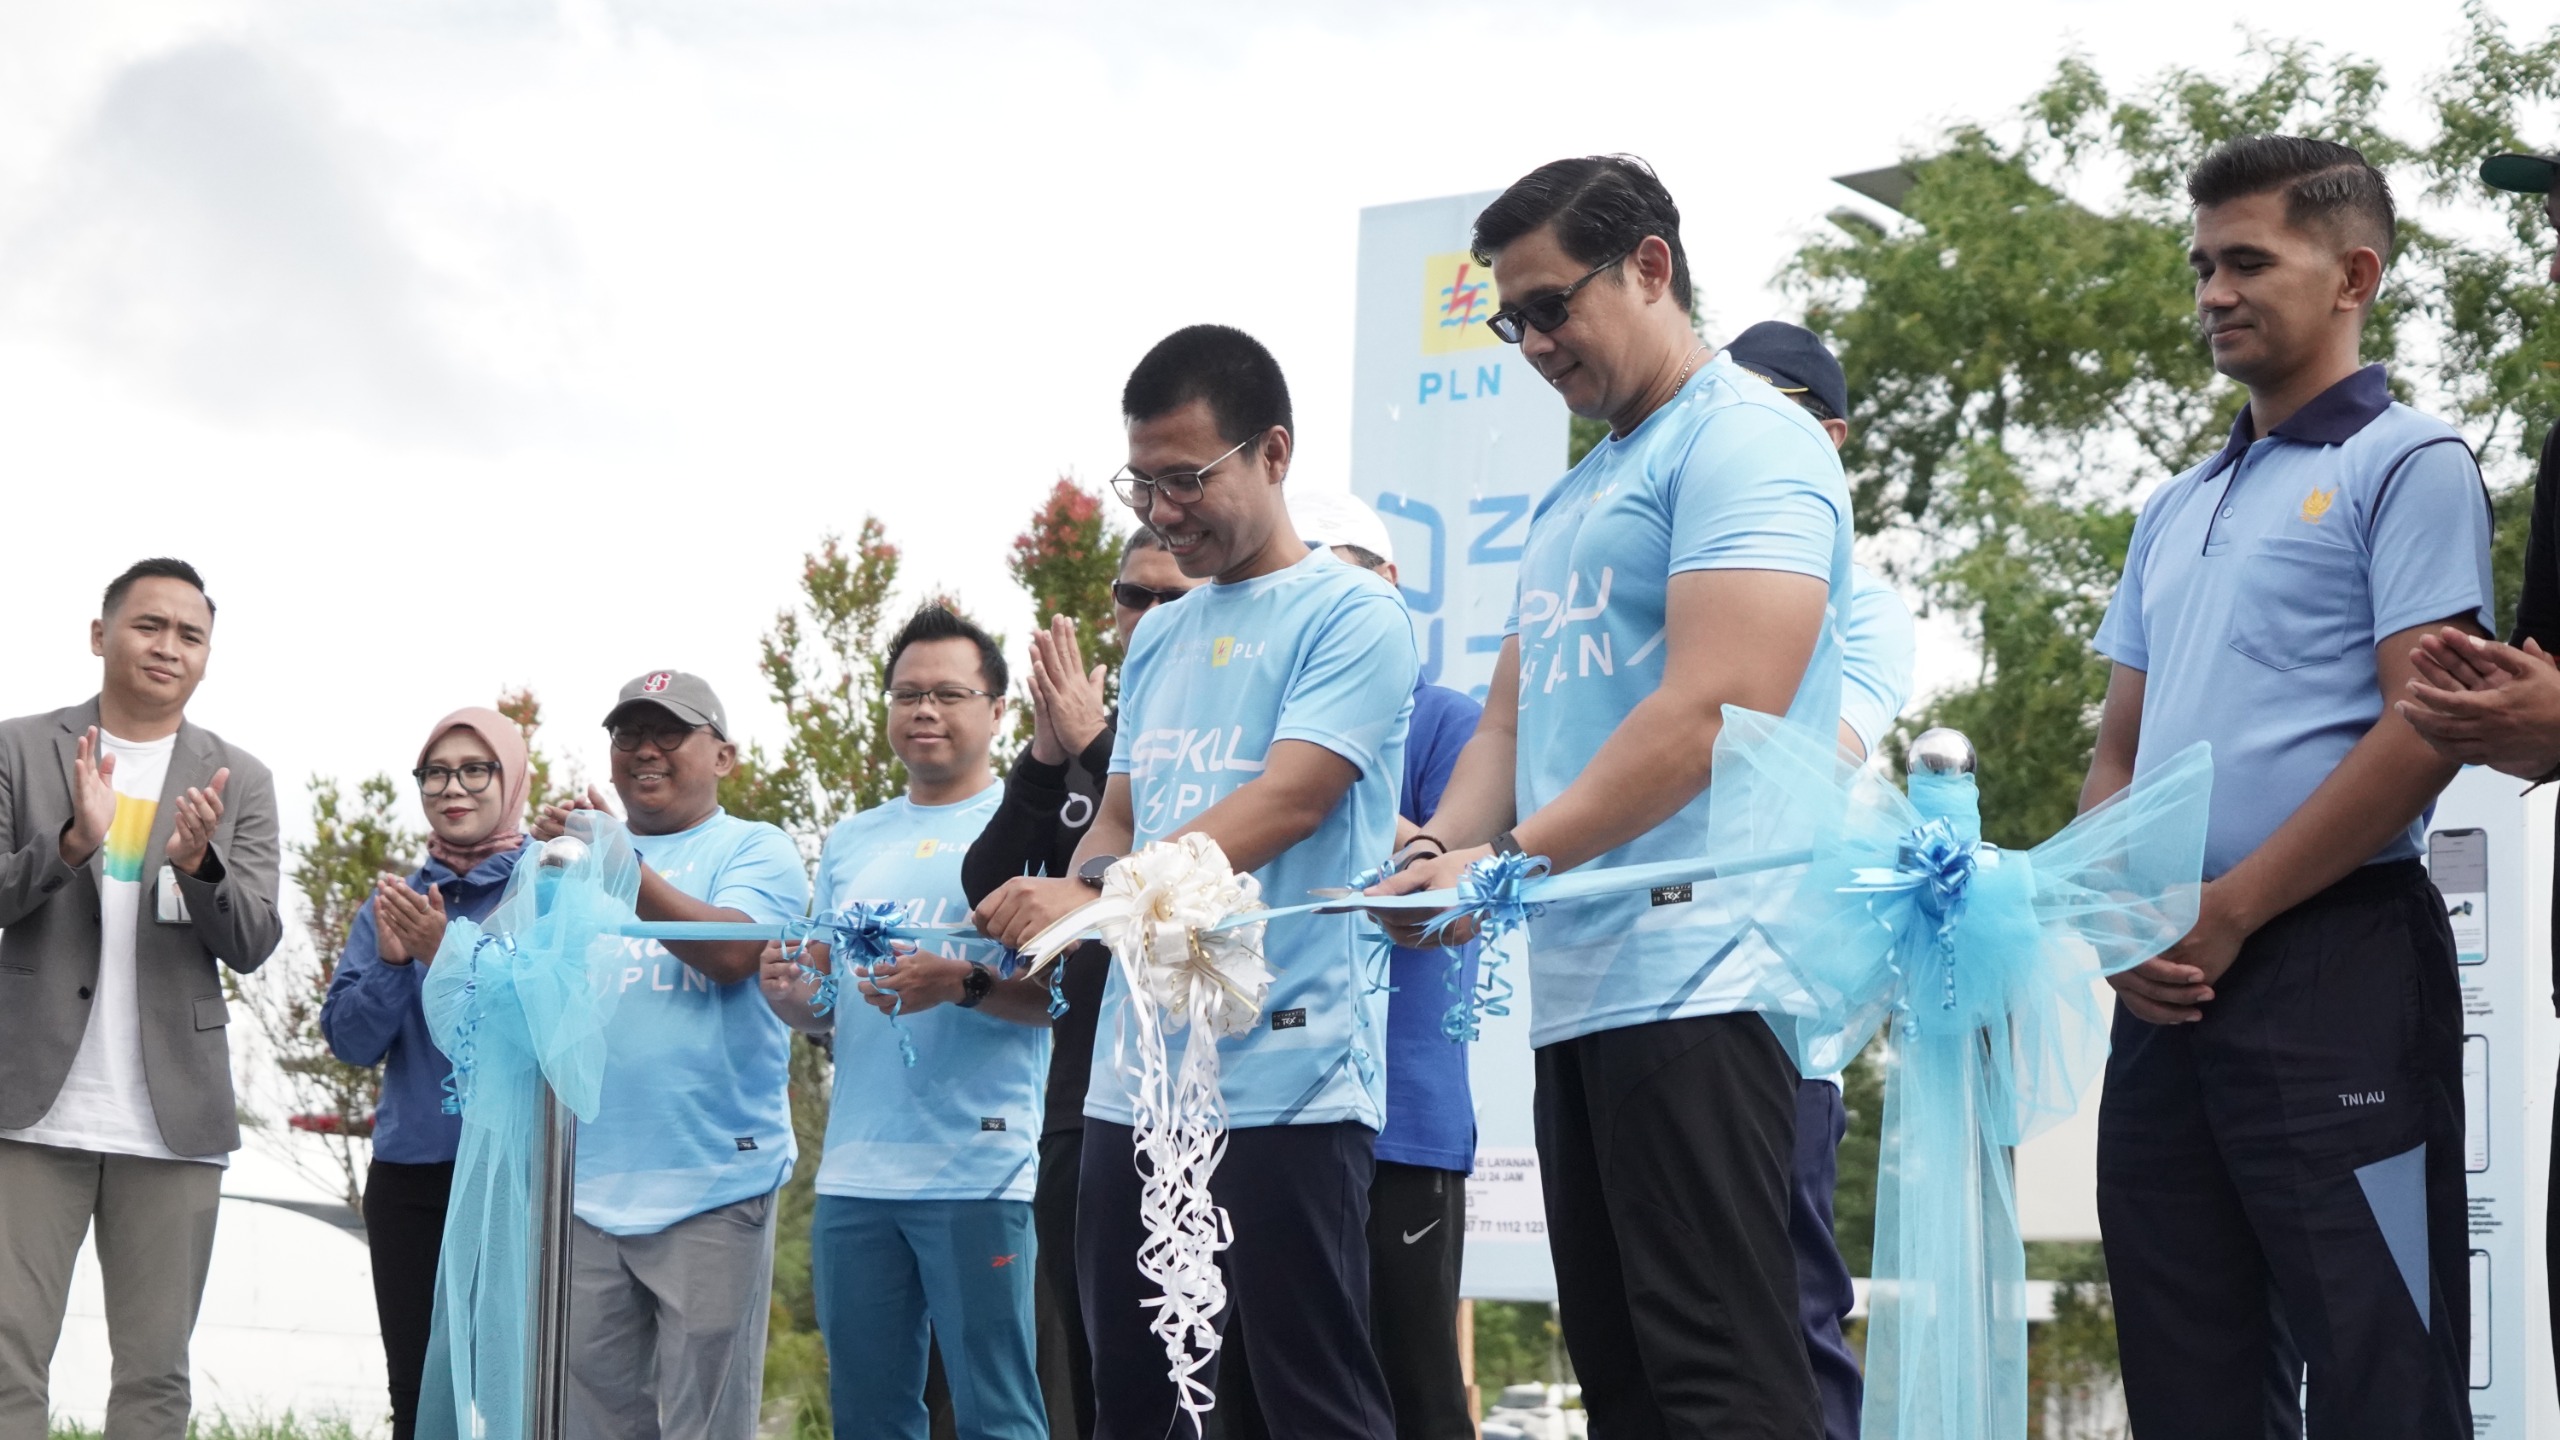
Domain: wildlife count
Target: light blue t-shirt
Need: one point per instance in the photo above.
(962, 1123)
(697, 1108)
(2258, 583)
(1730, 475)
(1320, 652)
(1877, 647)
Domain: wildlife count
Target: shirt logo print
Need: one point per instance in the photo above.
(2316, 504)
(1222, 650)
(924, 849)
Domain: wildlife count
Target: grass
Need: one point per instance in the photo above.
(287, 1426)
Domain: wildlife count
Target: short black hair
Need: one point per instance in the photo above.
(1219, 364)
(2323, 183)
(1142, 538)
(1362, 556)
(1600, 206)
(159, 567)
(934, 620)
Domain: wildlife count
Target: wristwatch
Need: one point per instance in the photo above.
(1092, 871)
(1504, 844)
(980, 982)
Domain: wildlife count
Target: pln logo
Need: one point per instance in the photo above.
(925, 849)
(1457, 298)
(1222, 650)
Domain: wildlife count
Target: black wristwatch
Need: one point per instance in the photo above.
(1092, 871)
(980, 983)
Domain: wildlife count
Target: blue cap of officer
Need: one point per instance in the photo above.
(1797, 362)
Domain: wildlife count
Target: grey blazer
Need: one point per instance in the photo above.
(49, 930)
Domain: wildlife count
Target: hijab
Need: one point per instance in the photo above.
(515, 777)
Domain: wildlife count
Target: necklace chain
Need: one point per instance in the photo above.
(1685, 367)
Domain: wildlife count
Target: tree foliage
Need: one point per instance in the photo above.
(2023, 358)
(1065, 560)
(821, 662)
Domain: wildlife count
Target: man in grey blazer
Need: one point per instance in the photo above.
(136, 850)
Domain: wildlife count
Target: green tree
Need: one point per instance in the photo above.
(1066, 560)
(824, 663)
(821, 662)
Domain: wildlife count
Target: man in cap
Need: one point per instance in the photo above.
(1876, 645)
(2483, 703)
(672, 1262)
(1418, 1198)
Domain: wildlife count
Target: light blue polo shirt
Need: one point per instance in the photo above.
(2259, 582)
(1730, 475)
(1878, 644)
(1320, 652)
(963, 1122)
(697, 1107)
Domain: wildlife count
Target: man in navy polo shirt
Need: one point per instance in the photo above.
(1876, 651)
(2280, 1146)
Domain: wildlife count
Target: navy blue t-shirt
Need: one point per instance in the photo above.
(1431, 1114)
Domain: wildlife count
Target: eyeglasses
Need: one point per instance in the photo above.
(944, 697)
(665, 739)
(1182, 487)
(1142, 597)
(475, 776)
(1547, 313)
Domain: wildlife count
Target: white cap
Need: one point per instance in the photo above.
(1337, 517)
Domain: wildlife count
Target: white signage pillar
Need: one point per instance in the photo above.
(1454, 438)
(2489, 849)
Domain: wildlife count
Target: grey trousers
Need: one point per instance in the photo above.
(666, 1331)
(155, 1243)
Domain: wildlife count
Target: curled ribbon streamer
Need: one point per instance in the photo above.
(1179, 922)
(1492, 891)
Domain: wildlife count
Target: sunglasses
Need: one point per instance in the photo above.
(1547, 313)
(1142, 597)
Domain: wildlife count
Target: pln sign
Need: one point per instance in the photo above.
(1453, 438)
(1453, 435)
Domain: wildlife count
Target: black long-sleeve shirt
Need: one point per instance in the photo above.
(1046, 810)
(2538, 606)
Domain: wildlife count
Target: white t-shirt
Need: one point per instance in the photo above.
(104, 1104)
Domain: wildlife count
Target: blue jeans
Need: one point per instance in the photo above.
(885, 1271)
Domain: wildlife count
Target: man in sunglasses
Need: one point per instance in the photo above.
(671, 1264)
(1266, 710)
(1049, 802)
(1688, 563)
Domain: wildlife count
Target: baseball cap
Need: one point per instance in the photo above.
(2524, 174)
(686, 697)
(1337, 517)
(1795, 360)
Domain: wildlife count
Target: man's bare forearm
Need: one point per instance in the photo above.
(1657, 761)
(2385, 782)
(720, 961)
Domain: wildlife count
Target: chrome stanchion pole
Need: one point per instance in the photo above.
(547, 1387)
(546, 1391)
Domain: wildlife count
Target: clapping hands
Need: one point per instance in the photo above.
(407, 925)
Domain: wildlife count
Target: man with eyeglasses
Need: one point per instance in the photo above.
(923, 1231)
(1266, 710)
(671, 1264)
(1689, 562)
(1049, 802)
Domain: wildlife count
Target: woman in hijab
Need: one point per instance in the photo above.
(472, 778)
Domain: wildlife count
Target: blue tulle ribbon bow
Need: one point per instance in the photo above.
(858, 935)
(1492, 893)
(1988, 962)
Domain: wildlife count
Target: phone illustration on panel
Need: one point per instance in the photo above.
(2458, 861)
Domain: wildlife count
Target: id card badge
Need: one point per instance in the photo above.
(170, 905)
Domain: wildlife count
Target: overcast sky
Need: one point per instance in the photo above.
(468, 343)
